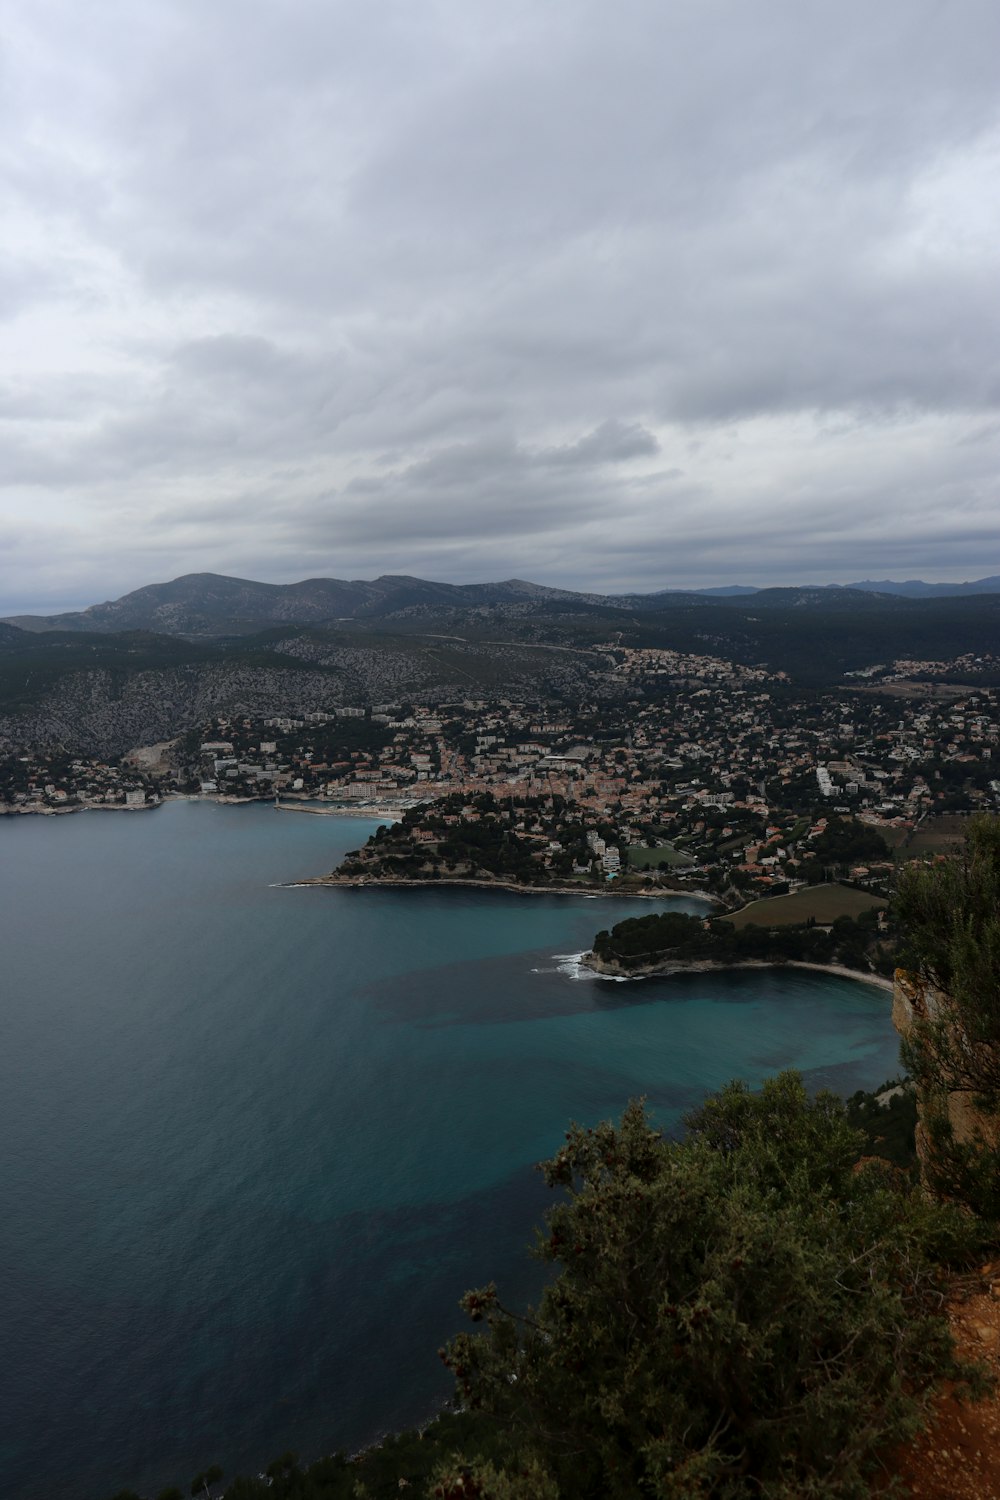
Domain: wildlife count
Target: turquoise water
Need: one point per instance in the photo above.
(258, 1140)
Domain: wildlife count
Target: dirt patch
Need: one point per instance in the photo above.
(944, 834)
(958, 1456)
(907, 687)
(150, 758)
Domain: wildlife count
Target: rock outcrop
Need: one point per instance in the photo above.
(918, 1005)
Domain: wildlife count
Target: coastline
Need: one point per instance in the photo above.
(360, 810)
(82, 807)
(708, 966)
(368, 882)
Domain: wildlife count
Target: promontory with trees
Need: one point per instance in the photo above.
(671, 941)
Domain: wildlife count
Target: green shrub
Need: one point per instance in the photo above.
(745, 1313)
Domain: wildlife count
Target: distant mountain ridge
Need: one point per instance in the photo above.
(914, 588)
(209, 605)
(212, 604)
(156, 663)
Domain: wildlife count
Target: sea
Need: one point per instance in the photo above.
(257, 1139)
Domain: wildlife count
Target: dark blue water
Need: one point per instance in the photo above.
(257, 1141)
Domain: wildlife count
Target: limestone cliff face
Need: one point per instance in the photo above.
(915, 1001)
(912, 1001)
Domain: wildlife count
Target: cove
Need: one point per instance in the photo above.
(258, 1140)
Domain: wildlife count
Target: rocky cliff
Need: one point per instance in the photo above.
(921, 1011)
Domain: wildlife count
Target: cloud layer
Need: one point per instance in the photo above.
(660, 294)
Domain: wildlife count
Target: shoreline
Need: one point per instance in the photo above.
(709, 966)
(361, 810)
(83, 807)
(366, 810)
(367, 882)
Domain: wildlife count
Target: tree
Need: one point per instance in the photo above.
(744, 1313)
(950, 915)
(204, 1481)
(283, 1465)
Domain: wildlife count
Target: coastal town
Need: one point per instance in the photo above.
(707, 775)
(36, 780)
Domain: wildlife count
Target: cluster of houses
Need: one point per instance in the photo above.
(717, 764)
(51, 781)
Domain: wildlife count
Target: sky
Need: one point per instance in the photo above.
(656, 294)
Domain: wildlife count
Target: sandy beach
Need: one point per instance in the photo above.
(370, 883)
(708, 966)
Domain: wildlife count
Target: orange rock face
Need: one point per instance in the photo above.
(913, 1001)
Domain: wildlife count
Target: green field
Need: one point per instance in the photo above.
(650, 859)
(824, 902)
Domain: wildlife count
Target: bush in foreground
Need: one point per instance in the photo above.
(746, 1313)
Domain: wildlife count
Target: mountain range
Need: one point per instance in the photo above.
(165, 658)
(210, 605)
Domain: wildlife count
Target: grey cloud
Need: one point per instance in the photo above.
(611, 443)
(23, 285)
(488, 278)
(464, 464)
(492, 500)
(242, 356)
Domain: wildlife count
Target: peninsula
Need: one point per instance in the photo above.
(524, 843)
(860, 945)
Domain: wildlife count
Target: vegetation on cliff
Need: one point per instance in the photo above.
(950, 912)
(887, 1117)
(747, 1312)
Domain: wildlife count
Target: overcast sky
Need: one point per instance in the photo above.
(639, 295)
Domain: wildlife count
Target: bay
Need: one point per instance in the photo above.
(257, 1140)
